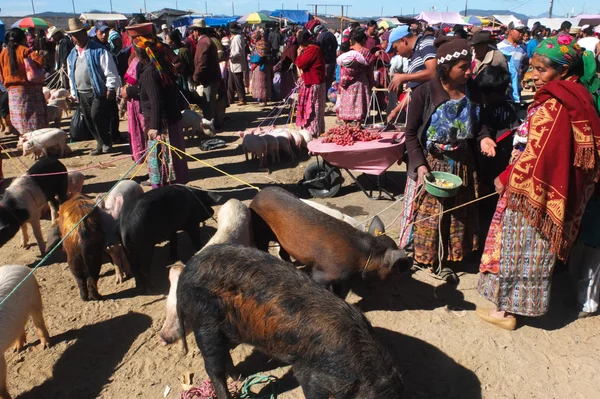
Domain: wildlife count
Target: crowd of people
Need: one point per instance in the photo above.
(458, 93)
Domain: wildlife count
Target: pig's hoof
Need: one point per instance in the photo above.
(44, 345)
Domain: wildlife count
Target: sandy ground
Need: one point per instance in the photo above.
(109, 349)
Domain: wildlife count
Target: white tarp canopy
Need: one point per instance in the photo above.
(86, 16)
(553, 23)
(507, 19)
(448, 18)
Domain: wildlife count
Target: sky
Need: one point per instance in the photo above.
(358, 8)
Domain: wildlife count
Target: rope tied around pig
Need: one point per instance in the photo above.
(45, 258)
(238, 389)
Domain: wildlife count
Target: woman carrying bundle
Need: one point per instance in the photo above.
(26, 100)
(545, 190)
(356, 80)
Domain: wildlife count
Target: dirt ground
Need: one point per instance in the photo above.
(109, 349)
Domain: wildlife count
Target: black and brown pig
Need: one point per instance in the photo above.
(230, 294)
(332, 249)
(85, 245)
(157, 216)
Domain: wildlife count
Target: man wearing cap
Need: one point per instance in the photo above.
(328, 44)
(421, 54)
(237, 63)
(94, 80)
(164, 33)
(64, 45)
(486, 53)
(515, 54)
(422, 62)
(206, 67)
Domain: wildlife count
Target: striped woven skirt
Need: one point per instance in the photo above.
(458, 229)
(522, 284)
(311, 108)
(28, 110)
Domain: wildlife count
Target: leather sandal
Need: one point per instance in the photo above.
(507, 323)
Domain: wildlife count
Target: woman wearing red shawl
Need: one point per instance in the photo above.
(262, 76)
(545, 190)
(312, 93)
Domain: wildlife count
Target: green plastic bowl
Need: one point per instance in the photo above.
(442, 192)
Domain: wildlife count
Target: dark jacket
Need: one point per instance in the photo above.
(424, 101)
(206, 62)
(158, 103)
(65, 45)
(328, 43)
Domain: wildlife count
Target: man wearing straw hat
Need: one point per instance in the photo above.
(206, 67)
(64, 45)
(94, 80)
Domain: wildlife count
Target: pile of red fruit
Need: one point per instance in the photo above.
(348, 135)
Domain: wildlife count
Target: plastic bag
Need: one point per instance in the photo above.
(34, 72)
(78, 129)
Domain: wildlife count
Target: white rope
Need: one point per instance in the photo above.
(379, 213)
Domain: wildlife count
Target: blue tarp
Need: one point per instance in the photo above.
(298, 17)
(2, 31)
(188, 19)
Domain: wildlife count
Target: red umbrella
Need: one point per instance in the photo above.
(31, 22)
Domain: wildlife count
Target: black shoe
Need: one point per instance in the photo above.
(96, 152)
(106, 149)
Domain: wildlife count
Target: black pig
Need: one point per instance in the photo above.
(157, 216)
(230, 294)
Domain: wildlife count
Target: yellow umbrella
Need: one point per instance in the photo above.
(386, 24)
(254, 19)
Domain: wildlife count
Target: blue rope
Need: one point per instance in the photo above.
(69, 233)
(258, 379)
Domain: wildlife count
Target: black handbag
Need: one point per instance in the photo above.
(78, 129)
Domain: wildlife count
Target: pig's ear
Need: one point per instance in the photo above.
(394, 256)
(117, 204)
(376, 228)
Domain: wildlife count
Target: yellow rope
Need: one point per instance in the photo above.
(7, 152)
(446, 211)
(177, 150)
(292, 115)
(143, 163)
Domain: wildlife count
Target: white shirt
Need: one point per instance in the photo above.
(237, 54)
(589, 43)
(107, 63)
